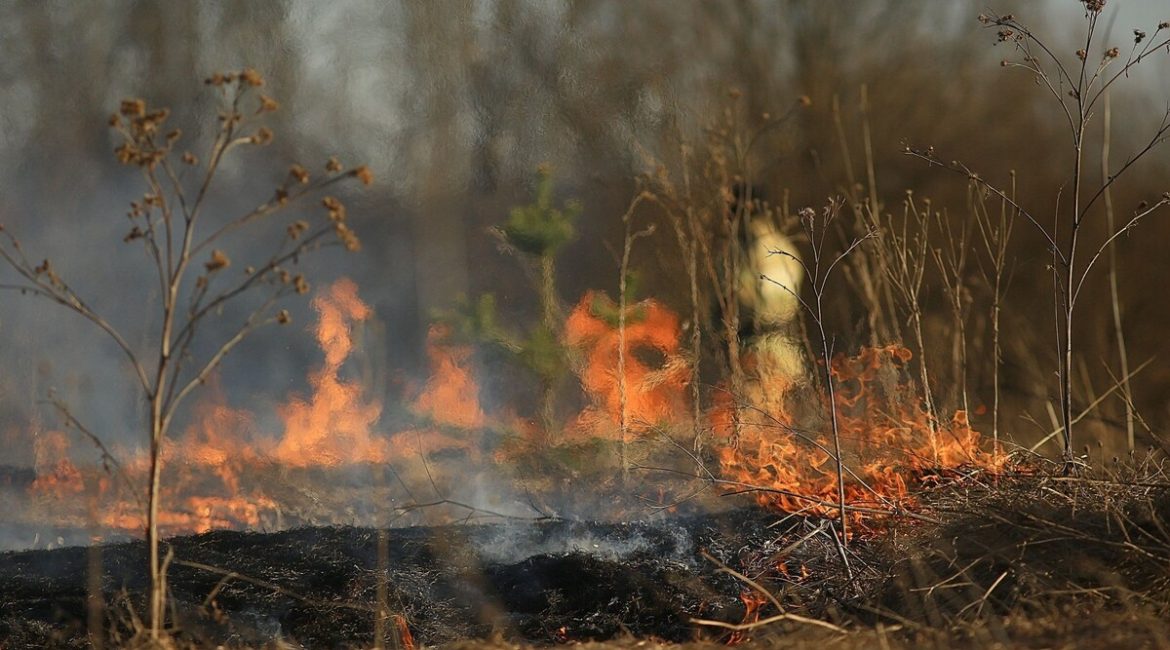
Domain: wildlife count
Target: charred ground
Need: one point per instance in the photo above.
(1015, 560)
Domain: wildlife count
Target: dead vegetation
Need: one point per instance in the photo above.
(883, 517)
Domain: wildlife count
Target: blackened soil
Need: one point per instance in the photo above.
(540, 582)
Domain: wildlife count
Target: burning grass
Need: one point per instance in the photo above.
(893, 443)
(1026, 558)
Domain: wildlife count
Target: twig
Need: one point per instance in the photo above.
(795, 618)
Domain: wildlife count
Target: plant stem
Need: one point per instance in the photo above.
(1114, 293)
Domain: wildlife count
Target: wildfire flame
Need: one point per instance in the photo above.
(890, 441)
(55, 471)
(449, 401)
(653, 395)
(203, 487)
(335, 424)
(889, 437)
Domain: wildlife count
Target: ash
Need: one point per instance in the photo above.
(539, 581)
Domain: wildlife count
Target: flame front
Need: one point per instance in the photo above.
(448, 405)
(888, 441)
(335, 424)
(223, 472)
(650, 395)
(204, 470)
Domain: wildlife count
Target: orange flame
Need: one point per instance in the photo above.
(334, 425)
(753, 603)
(653, 395)
(450, 400)
(452, 395)
(404, 635)
(55, 472)
(888, 440)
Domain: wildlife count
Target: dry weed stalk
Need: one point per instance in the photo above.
(867, 272)
(950, 258)
(708, 212)
(904, 254)
(686, 218)
(995, 233)
(819, 269)
(1078, 90)
(1114, 293)
(189, 263)
(623, 298)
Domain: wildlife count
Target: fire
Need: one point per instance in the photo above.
(449, 401)
(753, 604)
(404, 635)
(452, 394)
(334, 425)
(55, 471)
(888, 440)
(653, 395)
(205, 467)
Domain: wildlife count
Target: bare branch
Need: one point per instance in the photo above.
(1105, 245)
(962, 169)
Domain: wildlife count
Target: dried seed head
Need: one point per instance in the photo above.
(267, 105)
(299, 173)
(133, 108)
(1082, 55)
(336, 209)
(189, 158)
(250, 77)
(297, 228)
(126, 153)
(219, 260)
(333, 165)
(347, 237)
(263, 136)
(283, 317)
(1095, 6)
(216, 79)
(364, 175)
(1112, 53)
(300, 284)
